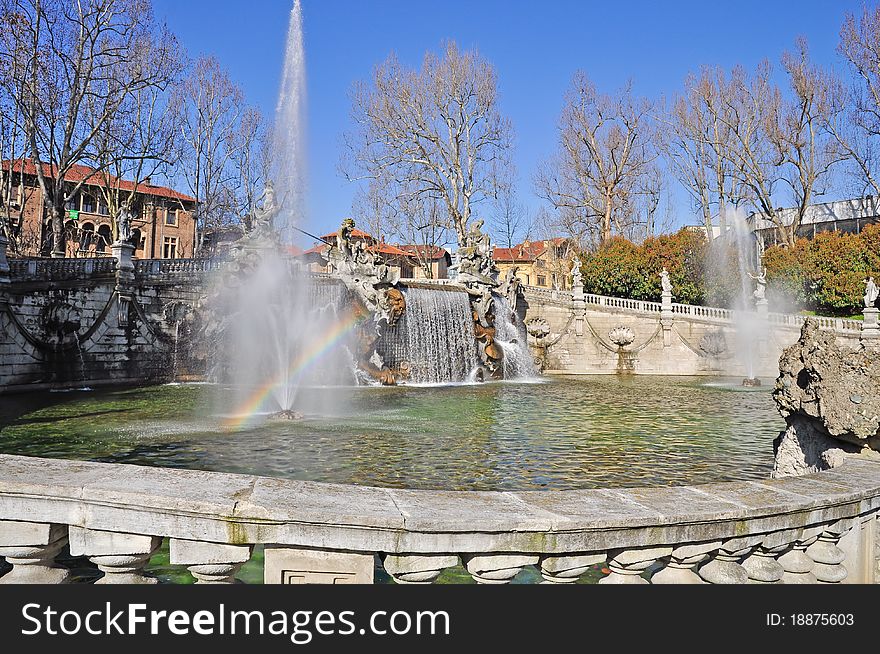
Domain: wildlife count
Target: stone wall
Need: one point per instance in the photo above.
(66, 323)
(576, 336)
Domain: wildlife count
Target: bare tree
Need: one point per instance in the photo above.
(693, 136)
(605, 151)
(857, 130)
(75, 70)
(250, 160)
(140, 141)
(436, 132)
(511, 221)
(211, 109)
(411, 219)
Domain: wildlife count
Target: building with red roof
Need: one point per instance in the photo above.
(163, 226)
(406, 258)
(545, 263)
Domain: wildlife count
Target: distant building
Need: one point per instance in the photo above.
(544, 263)
(163, 226)
(402, 257)
(845, 216)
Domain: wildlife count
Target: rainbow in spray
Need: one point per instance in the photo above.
(290, 375)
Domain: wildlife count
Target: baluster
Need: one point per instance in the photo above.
(567, 569)
(627, 565)
(30, 548)
(827, 556)
(210, 563)
(724, 567)
(121, 557)
(761, 565)
(496, 568)
(680, 567)
(798, 566)
(417, 569)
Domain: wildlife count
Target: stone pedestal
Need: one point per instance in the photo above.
(579, 307)
(666, 318)
(288, 565)
(871, 324)
(123, 253)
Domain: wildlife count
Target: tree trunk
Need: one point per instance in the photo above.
(56, 216)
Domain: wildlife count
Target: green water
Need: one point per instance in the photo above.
(566, 433)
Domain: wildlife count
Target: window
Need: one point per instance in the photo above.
(169, 248)
(542, 281)
(104, 238)
(88, 204)
(102, 208)
(73, 203)
(170, 216)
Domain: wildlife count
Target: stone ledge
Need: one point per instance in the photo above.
(241, 509)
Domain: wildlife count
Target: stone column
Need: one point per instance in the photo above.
(417, 569)
(210, 563)
(123, 252)
(30, 548)
(666, 318)
(628, 565)
(121, 557)
(4, 263)
(871, 324)
(761, 565)
(496, 568)
(567, 569)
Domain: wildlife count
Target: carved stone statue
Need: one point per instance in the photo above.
(263, 222)
(871, 293)
(761, 285)
(124, 224)
(577, 277)
(665, 284)
(511, 287)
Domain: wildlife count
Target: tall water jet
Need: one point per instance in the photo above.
(737, 242)
(288, 145)
(276, 335)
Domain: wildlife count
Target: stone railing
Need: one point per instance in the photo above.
(692, 311)
(815, 528)
(163, 268)
(26, 270)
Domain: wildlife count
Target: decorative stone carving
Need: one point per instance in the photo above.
(797, 565)
(665, 283)
(714, 343)
(60, 322)
(827, 556)
(760, 285)
(724, 566)
(761, 565)
(577, 277)
(622, 336)
(511, 288)
(538, 328)
(289, 565)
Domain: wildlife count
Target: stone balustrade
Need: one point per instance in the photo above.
(31, 270)
(819, 528)
(693, 312)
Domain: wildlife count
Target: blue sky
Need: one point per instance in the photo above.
(535, 46)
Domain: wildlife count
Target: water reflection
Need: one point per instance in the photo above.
(572, 432)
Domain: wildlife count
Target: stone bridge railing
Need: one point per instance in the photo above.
(816, 528)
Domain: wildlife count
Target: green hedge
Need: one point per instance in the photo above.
(824, 274)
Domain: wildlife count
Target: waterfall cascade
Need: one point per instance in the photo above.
(511, 335)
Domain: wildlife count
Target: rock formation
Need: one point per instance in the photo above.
(830, 398)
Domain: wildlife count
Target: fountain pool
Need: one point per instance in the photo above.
(565, 433)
